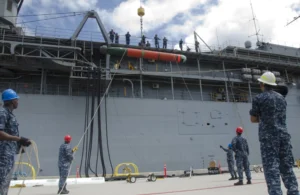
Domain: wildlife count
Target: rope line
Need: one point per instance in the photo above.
(48, 14)
(236, 106)
(34, 149)
(87, 128)
(184, 81)
(48, 18)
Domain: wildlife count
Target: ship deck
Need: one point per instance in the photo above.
(208, 185)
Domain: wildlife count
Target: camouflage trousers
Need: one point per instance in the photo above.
(243, 162)
(277, 159)
(63, 174)
(231, 168)
(5, 178)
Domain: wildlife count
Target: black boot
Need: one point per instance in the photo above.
(232, 178)
(240, 182)
(65, 188)
(65, 191)
(235, 177)
(249, 181)
(62, 191)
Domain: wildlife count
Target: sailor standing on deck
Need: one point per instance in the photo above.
(127, 38)
(241, 149)
(269, 110)
(64, 162)
(230, 161)
(10, 142)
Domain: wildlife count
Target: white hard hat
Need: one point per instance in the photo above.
(268, 78)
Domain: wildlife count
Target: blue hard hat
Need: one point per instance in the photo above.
(9, 94)
(229, 146)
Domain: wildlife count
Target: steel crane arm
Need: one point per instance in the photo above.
(20, 6)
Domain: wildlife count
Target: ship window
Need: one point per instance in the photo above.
(9, 5)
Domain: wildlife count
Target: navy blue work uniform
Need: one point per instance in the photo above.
(230, 162)
(275, 142)
(8, 149)
(9, 132)
(241, 149)
(64, 162)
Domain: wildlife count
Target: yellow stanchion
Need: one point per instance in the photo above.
(30, 166)
(126, 170)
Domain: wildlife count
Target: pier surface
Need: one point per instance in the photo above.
(208, 185)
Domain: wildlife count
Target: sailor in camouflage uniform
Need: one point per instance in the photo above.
(241, 149)
(64, 162)
(10, 142)
(230, 161)
(269, 110)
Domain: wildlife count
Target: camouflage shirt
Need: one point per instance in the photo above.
(240, 146)
(270, 108)
(9, 125)
(65, 156)
(229, 153)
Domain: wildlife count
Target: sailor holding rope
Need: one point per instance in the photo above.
(269, 110)
(10, 142)
(64, 162)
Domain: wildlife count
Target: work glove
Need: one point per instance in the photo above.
(19, 148)
(75, 149)
(25, 142)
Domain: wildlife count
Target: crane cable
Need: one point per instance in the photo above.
(30, 15)
(86, 130)
(96, 84)
(85, 141)
(91, 132)
(100, 145)
(89, 137)
(107, 141)
(49, 18)
(82, 137)
(96, 81)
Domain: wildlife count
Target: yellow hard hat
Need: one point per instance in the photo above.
(268, 78)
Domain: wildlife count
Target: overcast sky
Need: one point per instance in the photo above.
(218, 22)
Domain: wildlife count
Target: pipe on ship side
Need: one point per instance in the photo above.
(141, 53)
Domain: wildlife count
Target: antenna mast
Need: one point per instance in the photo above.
(256, 31)
(141, 13)
(295, 18)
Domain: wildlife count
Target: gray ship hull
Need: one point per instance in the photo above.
(146, 132)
